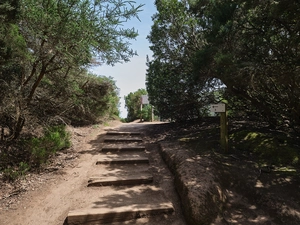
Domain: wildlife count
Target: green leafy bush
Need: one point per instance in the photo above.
(32, 153)
(55, 139)
(12, 173)
(147, 113)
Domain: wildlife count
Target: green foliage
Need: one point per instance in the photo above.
(147, 112)
(123, 120)
(269, 148)
(31, 153)
(177, 95)
(11, 174)
(55, 139)
(251, 47)
(93, 98)
(45, 49)
(175, 91)
(23, 168)
(133, 104)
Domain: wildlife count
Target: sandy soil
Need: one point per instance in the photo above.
(46, 198)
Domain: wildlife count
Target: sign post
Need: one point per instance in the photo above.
(141, 115)
(152, 113)
(221, 108)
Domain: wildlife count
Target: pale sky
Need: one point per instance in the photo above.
(131, 76)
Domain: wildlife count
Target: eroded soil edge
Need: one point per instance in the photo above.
(218, 189)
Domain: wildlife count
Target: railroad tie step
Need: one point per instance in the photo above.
(122, 160)
(122, 139)
(127, 179)
(123, 133)
(104, 215)
(122, 148)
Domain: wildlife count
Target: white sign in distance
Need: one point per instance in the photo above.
(217, 107)
(144, 99)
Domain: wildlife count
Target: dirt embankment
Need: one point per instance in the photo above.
(200, 192)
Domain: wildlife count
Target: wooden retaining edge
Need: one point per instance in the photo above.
(120, 181)
(97, 216)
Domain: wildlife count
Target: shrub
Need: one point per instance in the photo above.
(55, 139)
(11, 174)
(16, 160)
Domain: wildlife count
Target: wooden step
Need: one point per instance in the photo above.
(104, 215)
(113, 159)
(123, 148)
(122, 139)
(122, 133)
(128, 179)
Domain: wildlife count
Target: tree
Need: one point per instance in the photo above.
(133, 104)
(71, 32)
(252, 46)
(249, 46)
(12, 52)
(173, 90)
(78, 99)
(61, 37)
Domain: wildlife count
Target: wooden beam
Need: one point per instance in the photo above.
(135, 179)
(122, 133)
(104, 215)
(122, 148)
(122, 160)
(122, 139)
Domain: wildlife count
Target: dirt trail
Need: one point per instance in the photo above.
(66, 189)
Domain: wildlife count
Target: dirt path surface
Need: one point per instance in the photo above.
(47, 198)
(213, 188)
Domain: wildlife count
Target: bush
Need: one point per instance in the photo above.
(30, 153)
(55, 139)
(11, 174)
(147, 113)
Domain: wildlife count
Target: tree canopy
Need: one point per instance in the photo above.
(173, 88)
(248, 47)
(133, 104)
(46, 49)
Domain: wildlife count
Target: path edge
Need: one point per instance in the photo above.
(201, 204)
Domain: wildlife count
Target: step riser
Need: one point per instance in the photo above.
(120, 182)
(143, 161)
(124, 133)
(122, 140)
(111, 217)
(105, 150)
